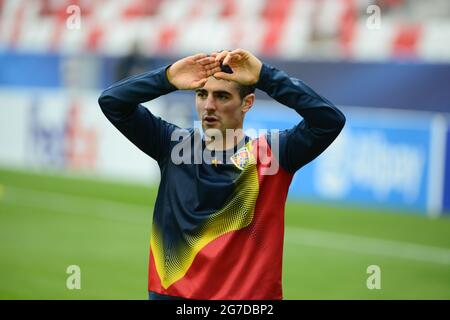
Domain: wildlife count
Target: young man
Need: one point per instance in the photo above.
(218, 224)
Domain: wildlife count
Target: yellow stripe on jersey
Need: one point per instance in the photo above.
(173, 263)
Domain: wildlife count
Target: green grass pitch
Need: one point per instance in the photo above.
(48, 222)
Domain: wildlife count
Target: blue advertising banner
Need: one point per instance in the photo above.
(446, 197)
(380, 158)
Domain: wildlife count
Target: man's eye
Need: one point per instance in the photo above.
(222, 97)
(201, 95)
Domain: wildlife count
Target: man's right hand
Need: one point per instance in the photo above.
(192, 72)
(245, 66)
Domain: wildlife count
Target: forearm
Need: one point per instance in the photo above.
(321, 124)
(121, 104)
(316, 110)
(122, 98)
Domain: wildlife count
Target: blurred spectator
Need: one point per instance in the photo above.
(131, 64)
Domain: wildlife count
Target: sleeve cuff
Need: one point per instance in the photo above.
(169, 87)
(264, 77)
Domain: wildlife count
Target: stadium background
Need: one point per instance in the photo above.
(73, 191)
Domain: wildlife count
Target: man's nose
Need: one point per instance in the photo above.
(209, 105)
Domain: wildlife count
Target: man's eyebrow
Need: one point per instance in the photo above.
(222, 92)
(215, 91)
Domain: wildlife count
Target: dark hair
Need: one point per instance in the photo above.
(245, 90)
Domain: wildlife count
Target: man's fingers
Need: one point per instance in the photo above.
(221, 55)
(239, 51)
(232, 56)
(214, 64)
(240, 54)
(199, 83)
(206, 60)
(224, 76)
(198, 56)
(227, 59)
(212, 71)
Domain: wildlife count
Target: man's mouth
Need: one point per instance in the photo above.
(210, 119)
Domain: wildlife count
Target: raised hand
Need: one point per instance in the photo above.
(245, 66)
(192, 72)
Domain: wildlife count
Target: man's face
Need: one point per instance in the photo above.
(219, 105)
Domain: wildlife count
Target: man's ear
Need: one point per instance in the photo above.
(247, 102)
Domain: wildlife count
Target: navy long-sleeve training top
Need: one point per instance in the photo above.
(218, 227)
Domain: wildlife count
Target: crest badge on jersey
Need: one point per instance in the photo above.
(241, 158)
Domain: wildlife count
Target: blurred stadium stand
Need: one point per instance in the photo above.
(288, 29)
(391, 80)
